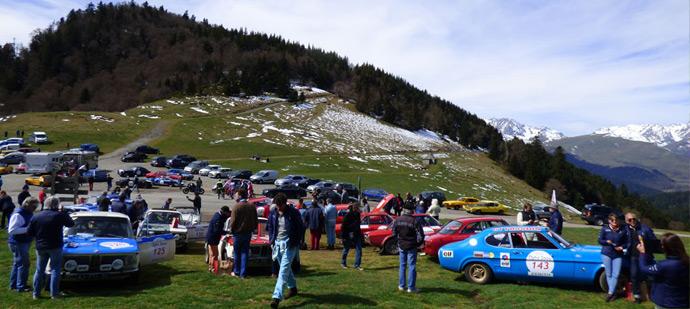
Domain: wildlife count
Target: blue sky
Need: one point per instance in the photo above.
(574, 66)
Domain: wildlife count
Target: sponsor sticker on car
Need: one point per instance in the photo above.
(115, 244)
(505, 259)
(447, 253)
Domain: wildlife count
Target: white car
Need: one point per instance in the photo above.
(38, 138)
(160, 221)
(206, 170)
(223, 172)
(291, 180)
(321, 185)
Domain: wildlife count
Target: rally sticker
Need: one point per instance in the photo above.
(505, 259)
(115, 244)
(491, 255)
(540, 264)
(447, 253)
(478, 254)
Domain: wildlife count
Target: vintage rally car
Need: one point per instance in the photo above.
(369, 222)
(6, 169)
(163, 174)
(374, 195)
(383, 236)
(167, 182)
(191, 220)
(161, 221)
(526, 254)
(40, 181)
(460, 203)
(484, 207)
(101, 245)
(458, 230)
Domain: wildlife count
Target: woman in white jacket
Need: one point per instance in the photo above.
(435, 209)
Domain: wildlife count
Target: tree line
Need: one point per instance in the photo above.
(113, 57)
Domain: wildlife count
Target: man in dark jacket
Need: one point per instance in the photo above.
(23, 195)
(285, 231)
(119, 205)
(19, 242)
(637, 230)
(315, 222)
(196, 202)
(7, 207)
(556, 220)
(243, 221)
(213, 235)
(410, 236)
(47, 227)
(103, 202)
(351, 233)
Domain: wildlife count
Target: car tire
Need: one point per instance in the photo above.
(599, 222)
(478, 273)
(601, 282)
(390, 247)
(501, 212)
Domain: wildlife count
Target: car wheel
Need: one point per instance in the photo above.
(599, 222)
(478, 273)
(456, 207)
(390, 247)
(501, 212)
(601, 282)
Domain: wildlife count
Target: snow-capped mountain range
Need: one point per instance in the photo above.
(510, 129)
(657, 134)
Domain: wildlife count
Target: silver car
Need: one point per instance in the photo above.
(291, 180)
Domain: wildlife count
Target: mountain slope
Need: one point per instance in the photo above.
(511, 128)
(672, 137)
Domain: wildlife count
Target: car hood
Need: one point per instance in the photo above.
(587, 249)
(99, 245)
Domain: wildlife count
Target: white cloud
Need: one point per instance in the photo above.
(571, 65)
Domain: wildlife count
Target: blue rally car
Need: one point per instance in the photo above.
(524, 253)
(101, 245)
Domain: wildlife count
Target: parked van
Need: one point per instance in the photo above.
(80, 157)
(264, 176)
(39, 137)
(42, 162)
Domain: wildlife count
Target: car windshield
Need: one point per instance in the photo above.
(451, 228)
(564, 243)
(162, 217)
(101, 227)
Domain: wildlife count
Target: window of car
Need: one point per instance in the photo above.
(377, 220)
(451, 228)
(496, 223)
(474, 227)
(501, 240)
(531, 241)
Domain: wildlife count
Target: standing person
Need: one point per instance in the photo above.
(365, 205)
(229, 188)
(527, 215)
(342, 194)
(126, 193)
(19, 242)
(637, 230)
(286, 231)
(556, 220)
(109, 182)
(219, 189)
(135, 185)
(409, 202)
(614, 240)
(435, 209)
(196, 202)
(198, 185)
(167, 204)
(103, 202)
(314, 221)
(23, 195)
(90, 181)
(47, 227)
(670, 277)
(420, 207)
(330, 215)
(352, 236)
(7, 207)
(119, 205)
(410, 236)
(134, 212)
(144, 204)
(250, 189)
(42, 197)
(243, 221)
(1, 182)
(214, 234)
(397, 208)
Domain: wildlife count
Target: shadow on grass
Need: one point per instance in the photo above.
(311, 272)
(332, 299)
(383, 268)
(152, 277)
(464, 293)
(561, 285)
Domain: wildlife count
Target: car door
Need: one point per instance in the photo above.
(155, 249)
(498, 255)
(537, 257)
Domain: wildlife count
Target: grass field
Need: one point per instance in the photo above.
(184, 282)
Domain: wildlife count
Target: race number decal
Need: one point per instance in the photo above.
(115, 244)
(447, 254)
(159, 251)
(540, 264)
(505, 259)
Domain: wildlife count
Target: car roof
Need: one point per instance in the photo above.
(477, 219)
(39, 132)
(162, 210)
(518, 228)
(99, 214)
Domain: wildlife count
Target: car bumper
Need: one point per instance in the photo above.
(111, 275)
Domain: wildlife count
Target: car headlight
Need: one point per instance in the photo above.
(70, 265)
(118, 264)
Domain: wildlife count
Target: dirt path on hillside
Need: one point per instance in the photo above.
(112, 160)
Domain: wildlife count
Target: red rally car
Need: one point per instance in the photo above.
(383, 237)
(458, 230)
(370, 222)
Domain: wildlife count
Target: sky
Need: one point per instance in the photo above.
(574, 66)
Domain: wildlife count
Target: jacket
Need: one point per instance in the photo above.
(670, 287)
(314, 218)
(331, 213)
(524, 217)
(6, 204)
(215, 229)
(118, 206)
(556, 222)
(244, 219)
(409, 232)
(293, 224)
(19, 226)
(47, 226)
(618, 239)
(434, 209)
(641, 230)
(350, 229)
(22, 196)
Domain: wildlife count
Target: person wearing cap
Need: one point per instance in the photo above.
(410, 235)
(351, 233)
(23, 195)
(556, 220)
(19, 242)
(47, 228)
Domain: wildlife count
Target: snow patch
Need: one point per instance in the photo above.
(101, 118)
(149, 116)
(199, 110)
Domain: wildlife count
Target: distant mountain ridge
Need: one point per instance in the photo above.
(511, 128)
(675, 137)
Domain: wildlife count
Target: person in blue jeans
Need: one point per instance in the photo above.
(351, 233)
(19, 241)
(410, 236)
(243, 221)
(285, 232)
(47, 227)
(331, 214)
(613, 239)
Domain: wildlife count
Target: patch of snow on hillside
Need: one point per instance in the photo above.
(173, 102)
(149, 116)
(199, 110)
(101, 118)
(123, 114)
(428, 134)
(355, 158)
(178, 115)
(3, 119)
